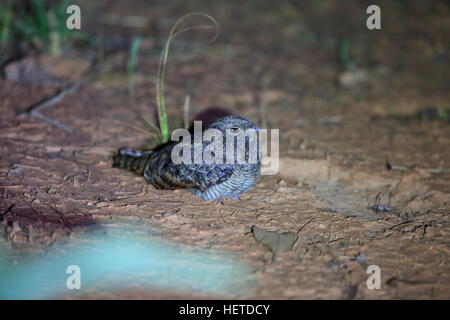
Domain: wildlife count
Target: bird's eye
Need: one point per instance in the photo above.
(234, 130)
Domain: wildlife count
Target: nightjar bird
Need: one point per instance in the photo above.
(227, 179)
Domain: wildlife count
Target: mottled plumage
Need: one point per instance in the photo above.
(207, 181)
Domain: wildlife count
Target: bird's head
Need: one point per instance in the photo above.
(238, 129)
(232, 124)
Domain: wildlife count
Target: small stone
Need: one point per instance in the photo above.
(351, 78)
(101, 204)
(51, 149)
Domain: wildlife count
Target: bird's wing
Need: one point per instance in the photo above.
(165, 174)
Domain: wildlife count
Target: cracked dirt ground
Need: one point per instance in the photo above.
(334, 142)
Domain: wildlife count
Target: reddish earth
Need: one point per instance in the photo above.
(275, 64)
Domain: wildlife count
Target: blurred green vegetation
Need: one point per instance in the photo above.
(42, 27)
(5, 23)
(132, 63)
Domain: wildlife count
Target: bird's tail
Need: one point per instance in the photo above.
(131, 160)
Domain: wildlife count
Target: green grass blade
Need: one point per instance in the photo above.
(344, 56)
(132, 62)
(160, 95)
(5, 24)
(42, 25)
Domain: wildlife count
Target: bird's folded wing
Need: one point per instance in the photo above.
(197, 176)
(163, 173)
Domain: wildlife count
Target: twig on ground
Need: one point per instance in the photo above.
(35, 109)
(303, 226)
(153, 126)
(334, 240)
(18, 165)
(132, 126)
(437, 170)
(59, 156)
(391, 167)
(59, 213)
(7, 211)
